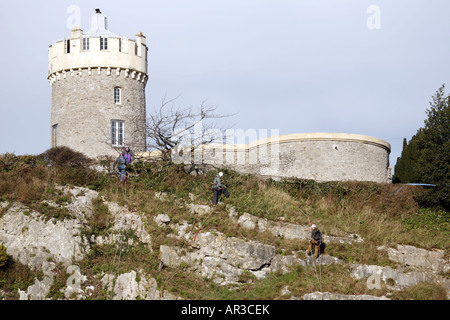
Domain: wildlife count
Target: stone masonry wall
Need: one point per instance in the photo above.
(320, 157)
(83, 107)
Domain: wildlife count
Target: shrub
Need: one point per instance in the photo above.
(64, 157)
(429, 219)
(3, 256)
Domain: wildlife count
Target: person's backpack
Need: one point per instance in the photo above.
(127, 157)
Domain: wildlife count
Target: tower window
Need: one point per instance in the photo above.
(54, 131)
(120, 45)
(117, 95)
(117, 132)
(85, 44)
(67, 46)
(103, 43)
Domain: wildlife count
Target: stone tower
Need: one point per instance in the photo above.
(98, 84)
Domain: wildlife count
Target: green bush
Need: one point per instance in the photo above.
(3, 256)
(429, 219)
(64, 157)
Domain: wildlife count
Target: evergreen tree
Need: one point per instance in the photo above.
(426, 158)
(406, 167)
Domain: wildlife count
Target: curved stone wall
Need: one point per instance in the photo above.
(317, 156)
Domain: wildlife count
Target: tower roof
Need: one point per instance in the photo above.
(98, 25)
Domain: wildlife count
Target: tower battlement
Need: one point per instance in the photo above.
(98, 49)
(98, 84)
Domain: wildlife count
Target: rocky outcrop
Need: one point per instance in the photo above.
(199, 209)
(227, 259)
(80, 206)
(336, 296)
(161, 220)
(74, 284)
(134, 285)
(284, 229)
(397, 279)
(42, 243)
(32, 240)
(124, 220)
(418, 257)
(417, 265)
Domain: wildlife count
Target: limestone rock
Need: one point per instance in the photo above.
(38, 290)
(74, 282)
(336, 296)
(81, 200)
(161, 220)
(32, 240)
(225, 259)
(41, 244)
(400, 278)
(161, 195)
(284, 229)
(418, 257)
(248, 221)
(134, 285)
(199, 209)
(125, 220)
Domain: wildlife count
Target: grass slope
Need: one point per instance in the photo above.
(382, 214)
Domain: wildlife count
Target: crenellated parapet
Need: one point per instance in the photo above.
(89, 71)
(98, 50)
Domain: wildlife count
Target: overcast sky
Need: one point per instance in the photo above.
(297, 66)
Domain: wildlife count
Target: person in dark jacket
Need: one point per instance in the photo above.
(219, 188)
(128, 154)
(121, 164)
(315, 242)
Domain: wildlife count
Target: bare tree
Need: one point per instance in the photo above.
(169, 127)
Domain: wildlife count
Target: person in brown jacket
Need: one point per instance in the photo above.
(315, 242)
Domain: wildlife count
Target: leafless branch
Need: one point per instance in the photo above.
(169, 126)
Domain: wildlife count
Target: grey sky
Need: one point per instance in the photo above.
(293, 65)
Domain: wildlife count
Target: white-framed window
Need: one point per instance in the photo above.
(123, 45)
(86, 44)
(103, 43)
(67, 46)
(117, 133)
(117, 95)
